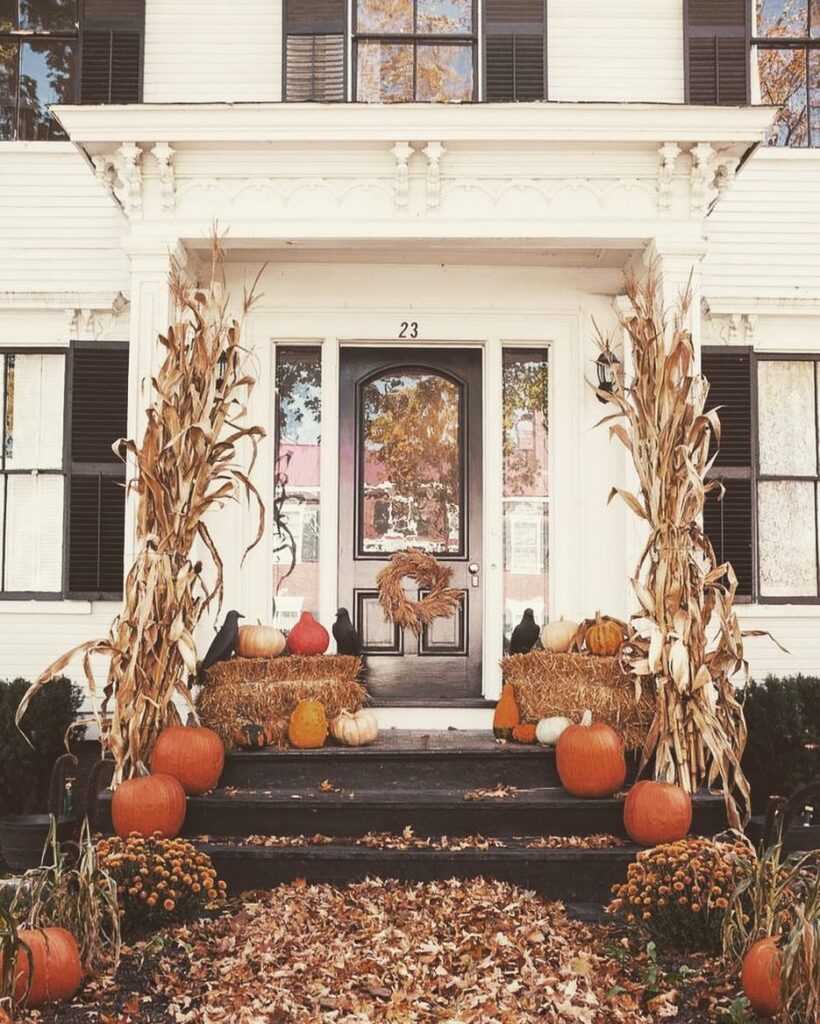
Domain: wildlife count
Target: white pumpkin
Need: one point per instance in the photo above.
(557, 636)
(259, 642)
(549, 729)
(355, 729)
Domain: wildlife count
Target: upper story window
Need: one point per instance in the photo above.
(65, 51)
(404, 51)
(786, 37)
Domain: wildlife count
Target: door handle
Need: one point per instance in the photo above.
(474, 569)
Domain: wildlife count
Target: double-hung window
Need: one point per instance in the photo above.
(786, 38)
(405, 51)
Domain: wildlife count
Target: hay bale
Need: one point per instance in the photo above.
(289, 667)
(548, 684)
(270, 702)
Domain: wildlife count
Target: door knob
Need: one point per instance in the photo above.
(473, 568)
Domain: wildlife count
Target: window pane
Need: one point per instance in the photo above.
(787, 524)
(8, 15)
(384, 73)
(411, 463)
(46, 77)
(8, 89)
(786, 418)
(48, 15)
(34, 533)
(6, 408)
(296, 505)
(444, 74)
(384, 17)
(444, 17)
(783, 84)
(778, 18)
(814, 96)
(815, 19)
(34, 412)
(526, 490)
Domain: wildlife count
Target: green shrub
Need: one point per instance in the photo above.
(783, 750)
(25, 772)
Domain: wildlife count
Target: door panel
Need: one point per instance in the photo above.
(410, 477)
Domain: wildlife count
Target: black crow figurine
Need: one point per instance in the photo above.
(525, 634)
(223, 644)
(346, 637)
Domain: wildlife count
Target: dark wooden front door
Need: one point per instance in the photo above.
(410, 477)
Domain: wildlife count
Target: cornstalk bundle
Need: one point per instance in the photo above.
(687, 637)
(188, 462)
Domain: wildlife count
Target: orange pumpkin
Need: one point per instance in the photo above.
(259, 642)
(154, 803)
(590, 759)
(507, 715)
(761, 977)
(308, 636)
(194, 756)
(54, 966)
(524, 732)
(308, 725)
(604, 638)
(657, 812)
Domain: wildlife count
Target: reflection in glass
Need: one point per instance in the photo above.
(8, 89)
(297, 500)
(46, 77)
(384, 17)
(814, 95)
(444, 17)
(787, 547)
(526, 485)
(778, 19)
(815, 19)
(385, 73)
(411, 463)
(8, 15)
(7, 407)
(783, 84)
(444, 74)
(48, 15)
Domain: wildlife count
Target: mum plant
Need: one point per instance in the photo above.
(195, 454)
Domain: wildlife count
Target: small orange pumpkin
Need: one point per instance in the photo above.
(153, 803)
(524, 732)
(55, 968)
(308, 726)
(590, 759)
(604, 637)
(760, 976)
(657, 812)
(194, 756)
(506, 716)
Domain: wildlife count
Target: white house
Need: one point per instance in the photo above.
(445, 194)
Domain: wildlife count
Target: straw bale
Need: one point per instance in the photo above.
(548, 684)
(291, 667)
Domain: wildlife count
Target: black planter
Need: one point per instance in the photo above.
(24, 836)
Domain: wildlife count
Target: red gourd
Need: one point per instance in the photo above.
(308, 636)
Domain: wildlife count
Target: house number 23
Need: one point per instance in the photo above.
(409, 329)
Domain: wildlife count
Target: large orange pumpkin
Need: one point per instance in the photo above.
(657, 812)
(761, 977)
(194, 756)
(308, 636)
(506, 716)
(308, 725)
(590, 759)
(154, 803)
(55, 968)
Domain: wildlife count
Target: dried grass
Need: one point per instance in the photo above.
(339, 667)
(270, 702)
(548, 684)
(688, 640)
(195, 454)
(440, 602)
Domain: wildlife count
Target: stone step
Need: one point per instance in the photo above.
(580, 878)
(400, 760)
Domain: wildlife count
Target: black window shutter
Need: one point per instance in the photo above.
(314, 58)
(96, 514)
(729, 523)
(717, 34)
(112, 51)
(515, 66)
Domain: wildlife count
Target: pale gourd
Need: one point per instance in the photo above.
(355, 729)
(558, 636)
(549, 729)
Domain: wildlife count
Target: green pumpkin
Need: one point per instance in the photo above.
(251, 734)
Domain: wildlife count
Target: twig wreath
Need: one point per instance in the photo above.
(431, 575)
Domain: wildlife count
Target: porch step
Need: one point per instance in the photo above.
(581, 877)
(429, 812)
(401, 760)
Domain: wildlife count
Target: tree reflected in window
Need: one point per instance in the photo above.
(787, 39)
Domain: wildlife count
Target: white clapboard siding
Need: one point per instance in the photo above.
(37, 428)
(763, 235)
(34, 531)
(599, 50)
(212, 50)
(798, 630)
(60, 231)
